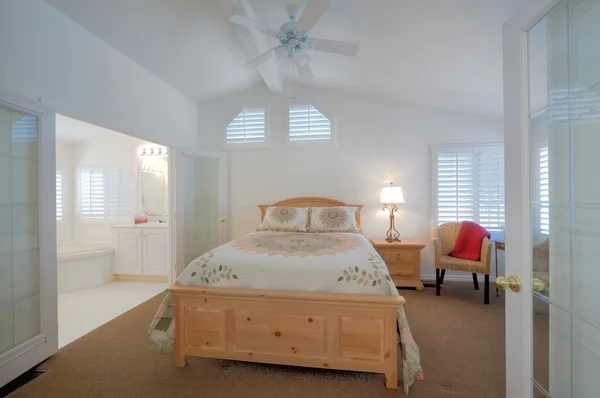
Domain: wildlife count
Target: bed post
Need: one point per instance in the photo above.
(180, 359)
(391, 351)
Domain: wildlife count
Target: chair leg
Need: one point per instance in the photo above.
(442, 277)
(475, 282)
(486, 290)
(437, 281)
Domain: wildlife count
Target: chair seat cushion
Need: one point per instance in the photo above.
(468, 242)
(460, 264)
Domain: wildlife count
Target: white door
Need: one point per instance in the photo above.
(552, 139)
(28, 290)
(199, 207)
(155, 256)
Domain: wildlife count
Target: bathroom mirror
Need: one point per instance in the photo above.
(153, 181)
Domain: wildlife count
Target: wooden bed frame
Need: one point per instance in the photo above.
(321, 330)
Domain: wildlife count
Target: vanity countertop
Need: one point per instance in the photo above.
(143, 225)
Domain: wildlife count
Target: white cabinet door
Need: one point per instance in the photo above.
(155, 252)
(128, 248)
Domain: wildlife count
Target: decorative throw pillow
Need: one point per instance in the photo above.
(294, 219)
(333, 219)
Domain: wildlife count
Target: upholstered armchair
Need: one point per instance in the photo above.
(445, 238)
(541, 262)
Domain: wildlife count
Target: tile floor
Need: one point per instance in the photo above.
(81, 311)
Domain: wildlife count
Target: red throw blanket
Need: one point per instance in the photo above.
(468, 243)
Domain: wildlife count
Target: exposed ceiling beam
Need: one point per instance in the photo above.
(254, 43)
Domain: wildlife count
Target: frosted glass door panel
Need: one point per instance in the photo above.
(201, 205)
(20, 311)
(564, 142)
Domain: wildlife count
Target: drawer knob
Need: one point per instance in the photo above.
(277, 334)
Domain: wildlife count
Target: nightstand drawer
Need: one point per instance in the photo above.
(401, 272)
(401, 257)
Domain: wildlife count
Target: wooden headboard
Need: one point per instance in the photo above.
(309, 202)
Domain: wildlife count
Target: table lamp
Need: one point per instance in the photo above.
(391, 196)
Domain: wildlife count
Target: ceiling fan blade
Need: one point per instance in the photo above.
(333, 46)
(304, 71)
(250, 24)
(261, 58)
(311, 14)
(229, 7)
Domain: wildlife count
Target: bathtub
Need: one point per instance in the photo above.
(81, 265)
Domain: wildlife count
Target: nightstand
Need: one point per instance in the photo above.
(403, 260)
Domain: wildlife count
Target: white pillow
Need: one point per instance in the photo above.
(280, 218)
(333, 219)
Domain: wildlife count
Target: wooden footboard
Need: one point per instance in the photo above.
(321, 330)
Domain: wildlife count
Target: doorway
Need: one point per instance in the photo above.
(113, 250)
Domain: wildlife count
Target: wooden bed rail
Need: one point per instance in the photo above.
(288, 295)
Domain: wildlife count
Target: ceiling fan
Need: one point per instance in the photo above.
(293, 36)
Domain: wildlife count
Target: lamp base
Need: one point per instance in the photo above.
(391, 240)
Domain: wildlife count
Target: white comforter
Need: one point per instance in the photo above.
(319, 262)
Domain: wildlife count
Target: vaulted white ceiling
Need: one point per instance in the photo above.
(441, 53)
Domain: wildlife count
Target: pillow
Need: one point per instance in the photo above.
(468, 243)
(333, 219)
(279, 218)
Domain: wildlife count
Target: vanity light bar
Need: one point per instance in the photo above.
(152, 169)
(152, 152)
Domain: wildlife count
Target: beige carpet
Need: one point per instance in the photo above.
(461, 340)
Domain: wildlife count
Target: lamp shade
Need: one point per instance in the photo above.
(392, 194)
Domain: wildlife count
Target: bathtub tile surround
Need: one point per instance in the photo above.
(83, 265)
(109, 301)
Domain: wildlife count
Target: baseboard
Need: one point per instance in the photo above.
(141, 278)
(456, 278)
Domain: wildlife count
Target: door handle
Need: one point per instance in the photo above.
(538, 285)
(512, 282)
(222, 220)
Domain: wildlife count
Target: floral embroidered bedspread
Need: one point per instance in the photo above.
(319, 262)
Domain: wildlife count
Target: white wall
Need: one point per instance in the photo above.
(377, 141)
(45, 54)
(65, 163)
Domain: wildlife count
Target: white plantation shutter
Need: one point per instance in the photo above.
(490, 187)
(544, 192)
(307, 123)
(119, 190)
(469, 185)
(106, 192)
(92, 193)
(455, 193)
(576, 106)
(59, 196)
(247, 127)
(25, 129)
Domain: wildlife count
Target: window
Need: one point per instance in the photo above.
(59, 196)
(105, 193)
(544, 192)
(119, 193)
(469, 185)
(306, 123)
(576, 106)
(248, 127)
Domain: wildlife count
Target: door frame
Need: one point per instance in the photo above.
(175, 229)
(27, 355)
(518, 307)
